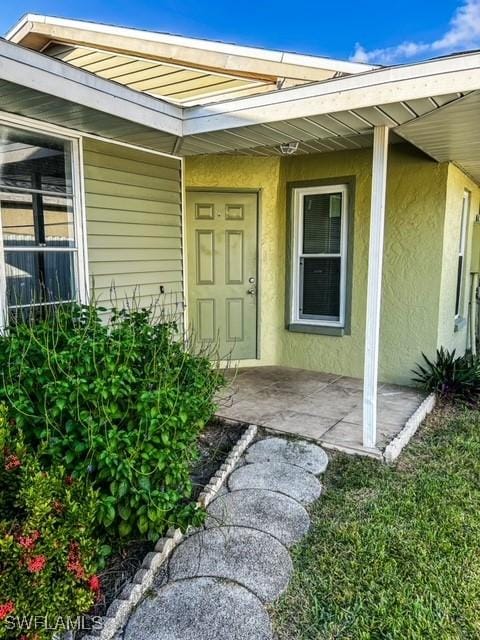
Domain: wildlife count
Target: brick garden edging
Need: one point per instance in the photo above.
(120, 609)
(394, 448)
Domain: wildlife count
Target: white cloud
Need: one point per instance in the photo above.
(463, 33)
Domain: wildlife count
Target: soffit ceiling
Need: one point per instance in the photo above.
(41, 106)
(446, 133)
(177, 83)
(338, 131)
(450, 134)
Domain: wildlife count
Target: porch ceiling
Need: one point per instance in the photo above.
(350, 129)
(451, 133)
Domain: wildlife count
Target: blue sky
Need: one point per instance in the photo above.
(369, 31)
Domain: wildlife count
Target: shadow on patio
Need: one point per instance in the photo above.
(321, 406)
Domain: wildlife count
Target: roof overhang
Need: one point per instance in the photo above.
(434, 105)
(35, 31)
(453, 74)
(451, 133)
(46, 75)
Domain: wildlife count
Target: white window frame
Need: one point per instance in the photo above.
(298, 195)
(79, 211)
(462, 252)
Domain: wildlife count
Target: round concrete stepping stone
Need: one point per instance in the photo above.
(200, 609)
(269, 511)
(297, 452)
(254, 559)
(277, 476)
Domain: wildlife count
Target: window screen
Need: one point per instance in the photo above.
(320, 249)
(36, 207)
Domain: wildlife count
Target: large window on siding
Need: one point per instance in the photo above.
(320, 254)
(39, 227)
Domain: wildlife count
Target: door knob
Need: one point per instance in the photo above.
(252, 291)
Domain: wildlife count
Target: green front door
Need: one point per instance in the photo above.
(222, 270)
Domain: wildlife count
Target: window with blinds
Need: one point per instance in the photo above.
(38, 239)
(319, 260)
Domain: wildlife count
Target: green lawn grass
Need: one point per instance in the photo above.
(393, 552)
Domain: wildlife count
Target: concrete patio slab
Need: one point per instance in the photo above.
(250, 557)
(189, 610)
(277, 476)
(303, 454)
(268, 511)
(320, 406)
(330, 402)
(298, 423)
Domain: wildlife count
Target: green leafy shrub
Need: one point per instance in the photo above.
(47, 546)
(450, 376)
(120, 402)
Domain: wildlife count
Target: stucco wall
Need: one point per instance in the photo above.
(413, 252)
(457, 183)
(415, 193)
(264, 174)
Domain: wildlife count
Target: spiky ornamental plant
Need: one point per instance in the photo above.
(449, 376)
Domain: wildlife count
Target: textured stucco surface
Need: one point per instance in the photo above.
(414, 237)
(264, 174)
(457, 183)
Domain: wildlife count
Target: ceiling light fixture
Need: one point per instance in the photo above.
(287, 148)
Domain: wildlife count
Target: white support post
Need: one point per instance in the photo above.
(374, 286)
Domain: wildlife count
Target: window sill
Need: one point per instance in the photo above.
(319, 329)
(460, 324)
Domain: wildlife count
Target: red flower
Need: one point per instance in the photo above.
(6, 609)
(68, 480)
(28, 542)
(95, 583)
(12, 462)
(58, 506)
(73, 561)
(36, 564)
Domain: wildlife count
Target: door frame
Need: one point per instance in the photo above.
(258, 193)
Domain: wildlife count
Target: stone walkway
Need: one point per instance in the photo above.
(220, 577)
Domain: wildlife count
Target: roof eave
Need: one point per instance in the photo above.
(457, 73)
(48, 75)
(266, 56)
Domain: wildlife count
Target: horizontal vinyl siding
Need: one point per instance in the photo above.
(134, 235)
